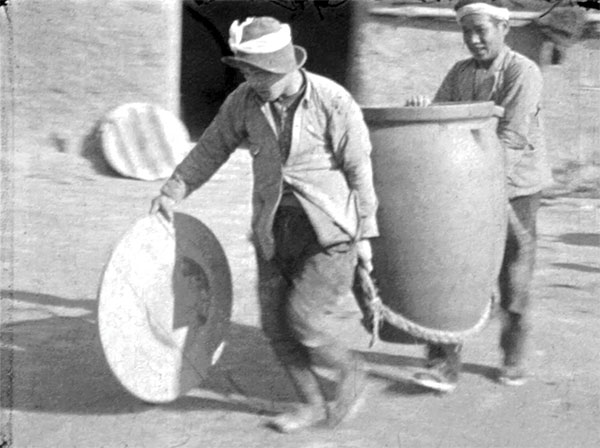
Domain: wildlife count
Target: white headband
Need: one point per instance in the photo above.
(264, 44)
(483, 8)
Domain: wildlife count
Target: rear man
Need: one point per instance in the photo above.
(496, 73)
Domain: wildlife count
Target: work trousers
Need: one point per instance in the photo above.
(515, 278)
(300, 291)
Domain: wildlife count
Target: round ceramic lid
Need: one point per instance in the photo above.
(143, 141)
(164, 306)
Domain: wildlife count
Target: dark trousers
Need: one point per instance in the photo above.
(299, 291)
(515, 278)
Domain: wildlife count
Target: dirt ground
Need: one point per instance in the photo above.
(66, 215)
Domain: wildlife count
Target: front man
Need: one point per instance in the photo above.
(313, 206)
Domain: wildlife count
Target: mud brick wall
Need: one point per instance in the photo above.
(76, 60)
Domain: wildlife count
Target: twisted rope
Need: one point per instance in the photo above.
(378, 312)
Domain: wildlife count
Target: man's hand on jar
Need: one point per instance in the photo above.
(418, 101)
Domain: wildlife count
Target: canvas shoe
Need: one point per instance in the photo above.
(512, 375)
(440, 378)
(349, 396)
(443, 375)
(304, 416)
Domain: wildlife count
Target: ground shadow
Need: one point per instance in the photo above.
(570, 181)
(577, 267)
(558, 285)
(404, 385)
(47, 299)
(57, 365)
(394, 371)
(91, 150)
(580, 239)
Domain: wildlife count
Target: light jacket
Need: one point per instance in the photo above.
(328, 168)
(515, 83)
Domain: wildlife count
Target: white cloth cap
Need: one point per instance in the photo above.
(483, 8)
(264, 44)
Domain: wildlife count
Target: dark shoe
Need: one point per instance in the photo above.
(304, 416)
(512, 376)
(434, 355)
(349, 395)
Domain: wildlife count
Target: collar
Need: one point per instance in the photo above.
(307, 88)
(305, 91)
(287, 101)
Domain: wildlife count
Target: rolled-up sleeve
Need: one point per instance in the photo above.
(214, 147)
(354, 151)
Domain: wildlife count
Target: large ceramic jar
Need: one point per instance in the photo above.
(439, 176)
